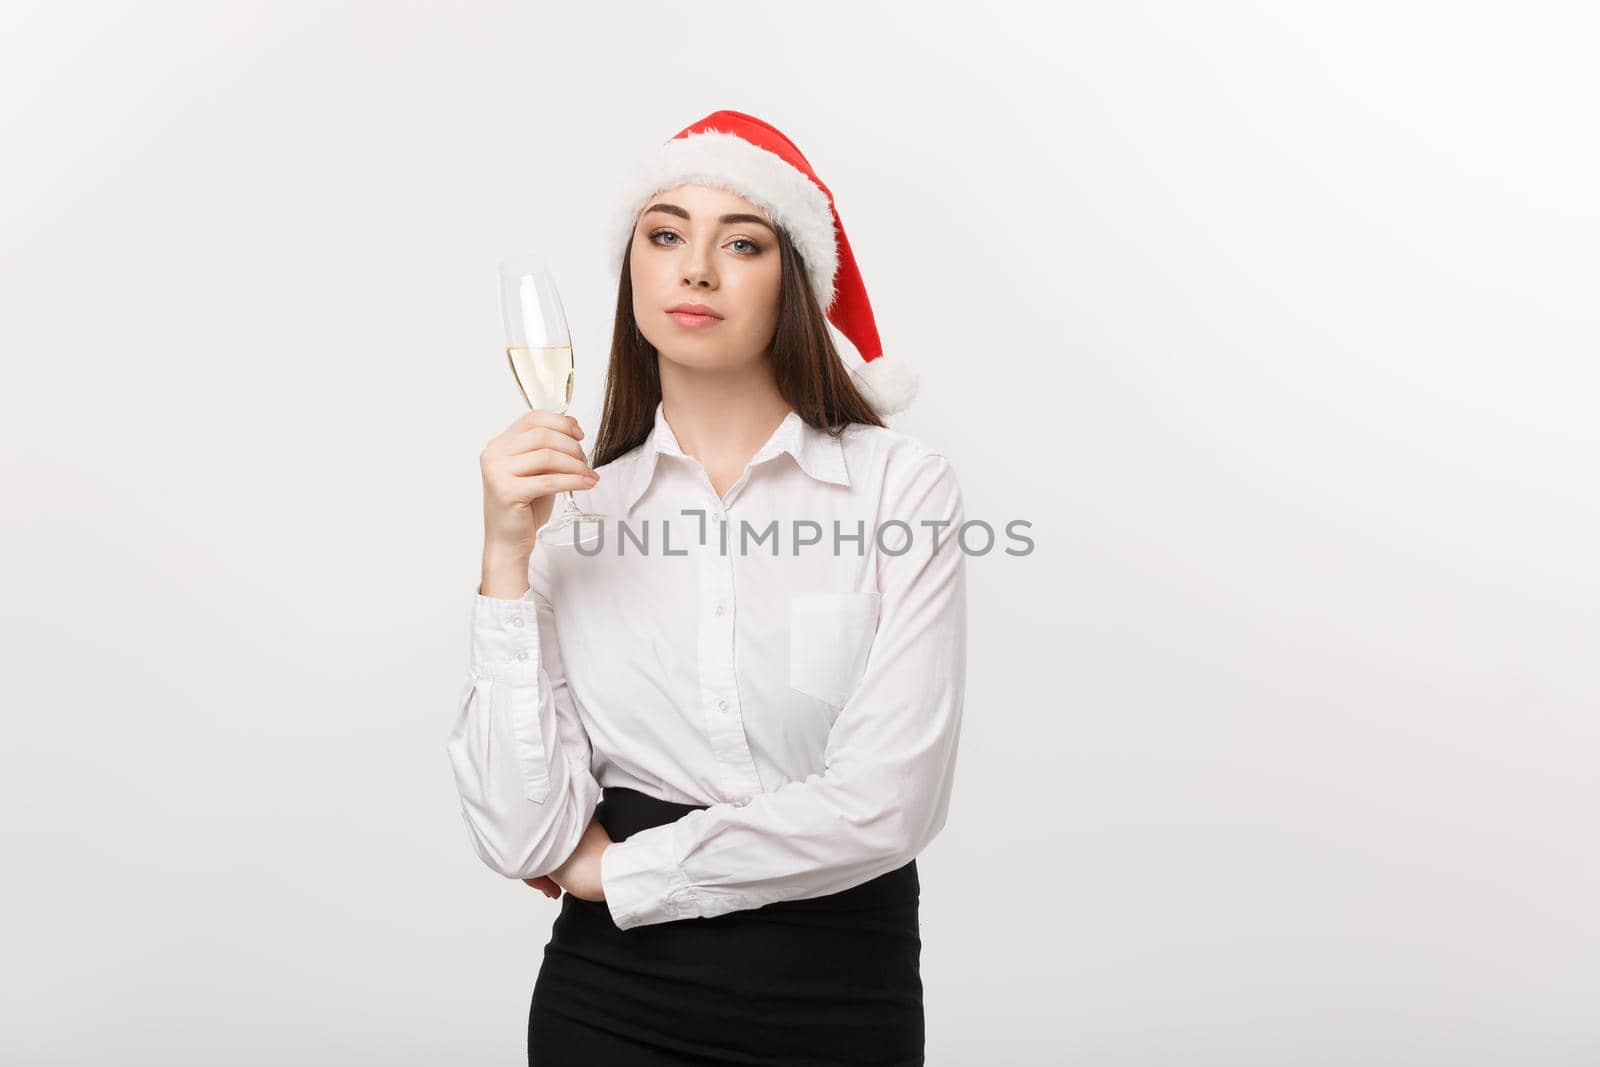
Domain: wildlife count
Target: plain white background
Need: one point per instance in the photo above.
(1277, 321)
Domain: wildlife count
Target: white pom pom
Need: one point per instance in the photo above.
(888, 384)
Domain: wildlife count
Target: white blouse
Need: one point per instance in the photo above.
(787, 654)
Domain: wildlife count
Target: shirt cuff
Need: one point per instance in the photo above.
(505, 638)
(642, 881)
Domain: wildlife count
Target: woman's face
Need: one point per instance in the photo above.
(687, 250)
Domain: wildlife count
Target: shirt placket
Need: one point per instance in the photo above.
(718, 681)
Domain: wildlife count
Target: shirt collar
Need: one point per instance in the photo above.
(819, 453)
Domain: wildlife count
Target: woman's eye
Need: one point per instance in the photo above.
(752, 249)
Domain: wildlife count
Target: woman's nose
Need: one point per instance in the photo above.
(698, 270)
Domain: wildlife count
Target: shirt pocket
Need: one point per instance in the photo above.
(830, 636)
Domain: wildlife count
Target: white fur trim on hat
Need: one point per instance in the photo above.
(888, 384)
(728, 161)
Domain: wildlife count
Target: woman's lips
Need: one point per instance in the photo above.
(692, 321)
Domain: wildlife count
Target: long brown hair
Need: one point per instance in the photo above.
(810, 374)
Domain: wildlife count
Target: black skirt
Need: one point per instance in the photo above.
(824, 980)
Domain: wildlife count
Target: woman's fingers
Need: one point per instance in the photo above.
(540, 437)
(528, 419)
(545, 461)
(546, 885)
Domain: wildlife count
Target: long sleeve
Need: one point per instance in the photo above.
(520, 755)
(889, 763)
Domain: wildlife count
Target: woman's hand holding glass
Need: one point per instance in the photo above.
(523, 467)
(539, 351)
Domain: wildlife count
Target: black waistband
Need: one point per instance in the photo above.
(624, 812)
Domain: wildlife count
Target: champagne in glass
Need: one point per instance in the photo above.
(545, 376)
(540, 351)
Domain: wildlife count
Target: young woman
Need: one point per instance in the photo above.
(729, 729)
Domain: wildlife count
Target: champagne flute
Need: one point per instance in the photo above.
(540, 350)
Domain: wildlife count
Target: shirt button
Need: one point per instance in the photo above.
(522, 653)
(723, 705)
(516, 620)
(720, 609)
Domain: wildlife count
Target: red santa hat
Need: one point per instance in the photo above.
(738, 152)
